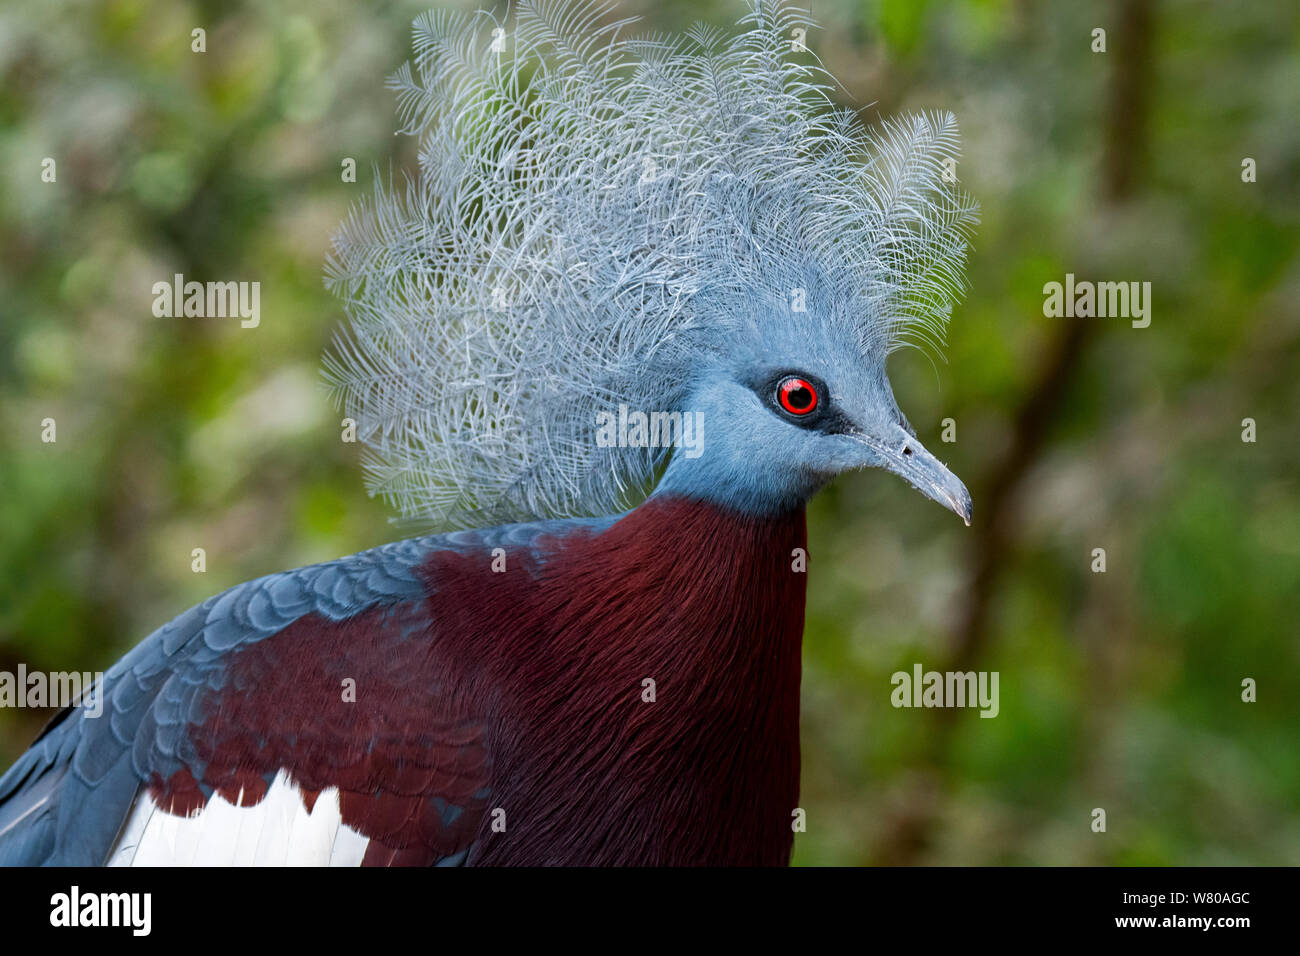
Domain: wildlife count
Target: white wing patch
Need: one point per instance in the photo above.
(276, 831)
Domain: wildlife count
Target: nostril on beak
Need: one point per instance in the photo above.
(907, 450)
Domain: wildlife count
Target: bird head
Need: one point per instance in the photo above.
(787, 408)
(605, 229)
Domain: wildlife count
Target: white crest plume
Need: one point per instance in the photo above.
(591, 215)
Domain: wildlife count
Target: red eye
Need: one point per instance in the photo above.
(797, 395)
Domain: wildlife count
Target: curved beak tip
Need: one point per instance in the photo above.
(966, 512)
(952, 494)
(909, 459)
(906, 457)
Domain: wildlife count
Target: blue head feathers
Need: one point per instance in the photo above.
(605, 227)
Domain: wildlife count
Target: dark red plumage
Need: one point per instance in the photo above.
(523, 691)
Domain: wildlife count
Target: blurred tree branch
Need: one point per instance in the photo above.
(997, 525)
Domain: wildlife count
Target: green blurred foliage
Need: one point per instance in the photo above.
(1118, 690)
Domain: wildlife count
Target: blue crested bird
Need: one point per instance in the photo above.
(631, 313)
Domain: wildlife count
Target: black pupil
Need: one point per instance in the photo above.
(800, 397)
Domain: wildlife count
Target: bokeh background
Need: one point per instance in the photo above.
(1119, 690)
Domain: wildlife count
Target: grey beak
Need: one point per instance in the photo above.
(907, 457)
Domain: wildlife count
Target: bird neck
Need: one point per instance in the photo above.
(736, 482)
(666, 649)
